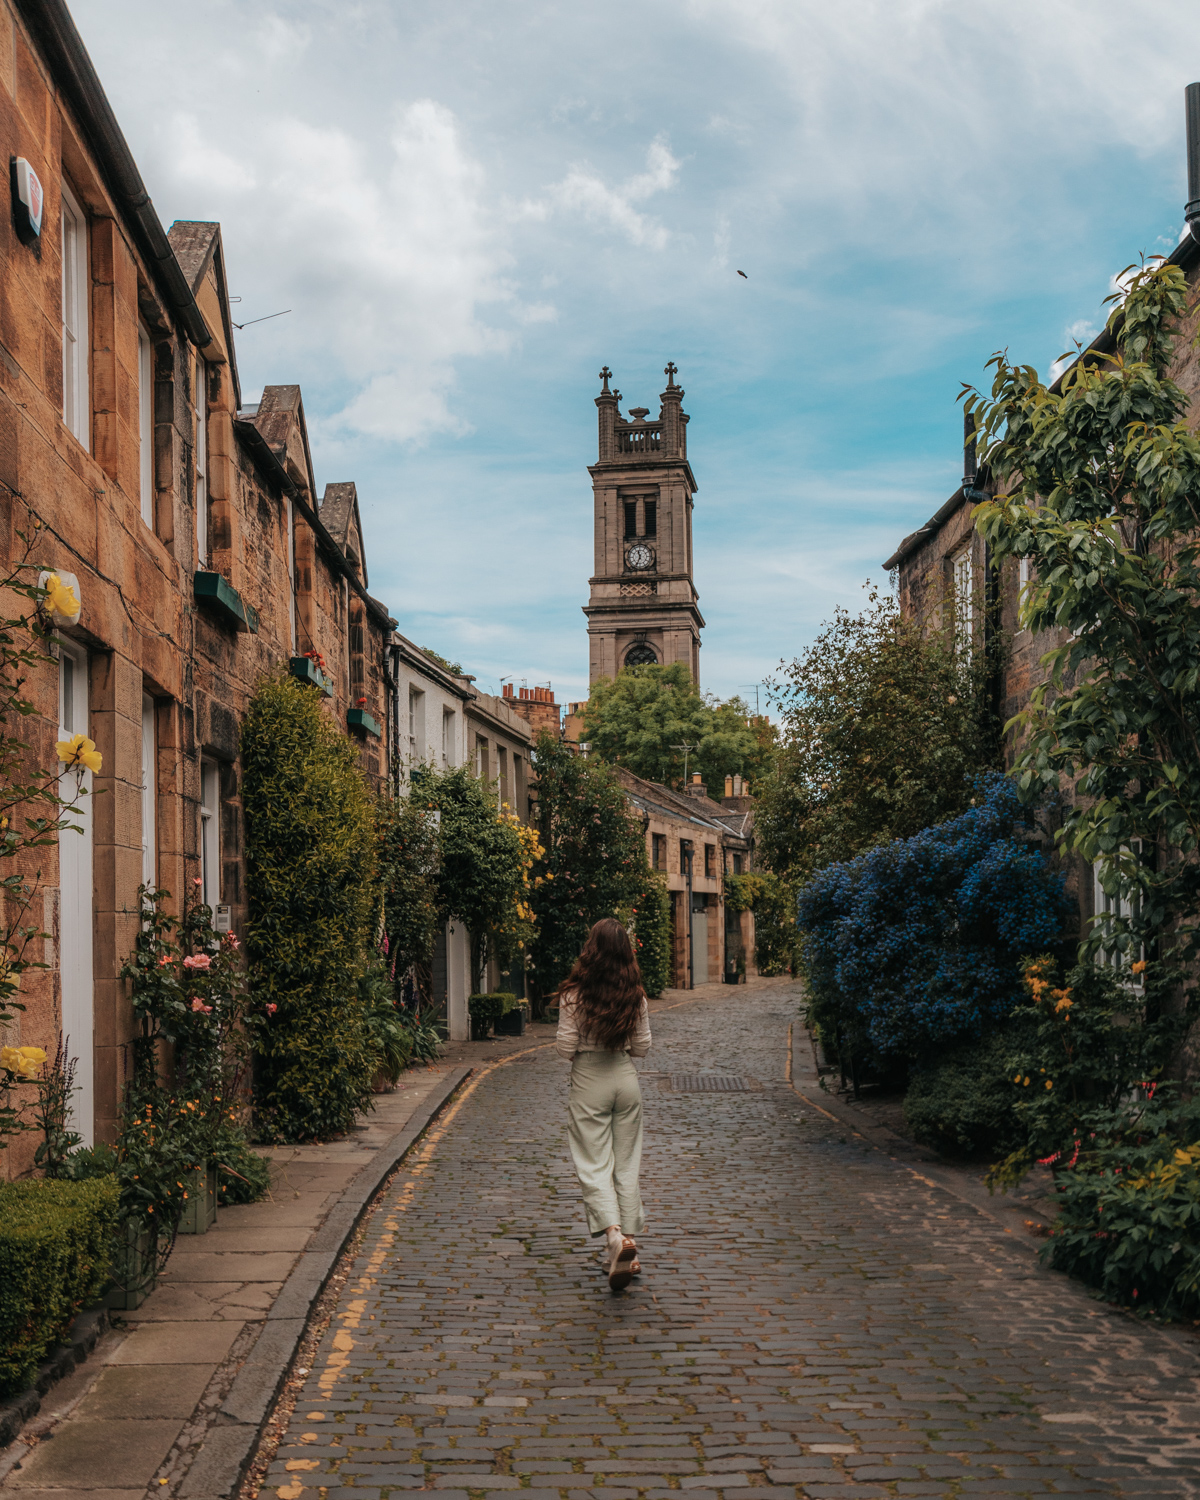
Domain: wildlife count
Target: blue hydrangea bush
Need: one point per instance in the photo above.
(917, 943)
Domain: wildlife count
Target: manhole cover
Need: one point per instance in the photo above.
(708, 1083)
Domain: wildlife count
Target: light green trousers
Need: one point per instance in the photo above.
(605, 1129)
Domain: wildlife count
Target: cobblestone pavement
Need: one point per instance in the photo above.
(814, 1318)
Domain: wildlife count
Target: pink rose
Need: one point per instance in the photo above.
(231, 940)
(199, 1005)
(271, 1009)
(197, 880)
(198, 961)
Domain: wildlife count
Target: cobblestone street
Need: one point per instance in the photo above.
(813, 1317)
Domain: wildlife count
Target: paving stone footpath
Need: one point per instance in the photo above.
(816, 1317)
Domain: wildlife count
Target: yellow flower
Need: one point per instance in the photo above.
(1049, 1083)
(60, 598)
(1139, 967)
(1026, 1083)
(24, 1061)
(80, 751)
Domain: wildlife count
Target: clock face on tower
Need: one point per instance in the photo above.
(640, 557)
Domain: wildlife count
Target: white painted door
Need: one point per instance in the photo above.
(700, 947)
(75, 899)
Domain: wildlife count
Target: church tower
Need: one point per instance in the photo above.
(643, 605)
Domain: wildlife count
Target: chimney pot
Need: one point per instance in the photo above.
(696, 778)
(729, 786)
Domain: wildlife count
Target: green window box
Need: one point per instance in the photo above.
(223, 601)
(359, 718)
(307, 670)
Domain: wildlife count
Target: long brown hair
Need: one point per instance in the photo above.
(608, 986)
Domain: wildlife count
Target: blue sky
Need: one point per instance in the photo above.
(471, 207)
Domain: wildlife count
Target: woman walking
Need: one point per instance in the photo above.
(603, 1021)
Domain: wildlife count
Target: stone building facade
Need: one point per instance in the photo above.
(202, 553)
(695, 842)
(643, 607)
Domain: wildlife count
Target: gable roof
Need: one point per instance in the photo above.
(198, 248)
(339, 511)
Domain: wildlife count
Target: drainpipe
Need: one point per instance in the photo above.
(991, 574)
(687, 848)
(391, 675)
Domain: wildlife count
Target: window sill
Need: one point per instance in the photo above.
(224, 602)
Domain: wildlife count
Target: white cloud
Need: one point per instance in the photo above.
(583, 192)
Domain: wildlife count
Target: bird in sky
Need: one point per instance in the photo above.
(743, 275)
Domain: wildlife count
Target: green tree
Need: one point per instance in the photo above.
(313, 904)
(883, 724)
(408, 864)
(639, 718)
(1102, 491)
(593, 863)
(483, 863)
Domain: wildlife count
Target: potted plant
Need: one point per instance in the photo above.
(512, 1018)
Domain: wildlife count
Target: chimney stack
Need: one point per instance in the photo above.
(1191, 213)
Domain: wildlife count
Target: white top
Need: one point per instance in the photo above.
(570, 1040)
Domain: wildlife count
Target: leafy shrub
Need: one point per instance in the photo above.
(54, 1258)
(485, 1008)
(425, 1040)
(916, 944)
(652, 934)
(1129, 1198)
(310, 866)
(1078, 1050)
(242, 1175)
(962, 1104)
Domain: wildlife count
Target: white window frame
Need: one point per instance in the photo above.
(447, 737)
(1104, 905)
(146, 424)
(210, 833)
(76, 410)
(149, 793)
(963, 577)
(201, 412)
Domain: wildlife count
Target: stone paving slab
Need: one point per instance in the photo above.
(146, 1409)
(816, 1317)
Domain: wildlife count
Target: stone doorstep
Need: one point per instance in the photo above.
(119, 1431)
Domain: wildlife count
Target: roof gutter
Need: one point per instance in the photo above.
(51, 24)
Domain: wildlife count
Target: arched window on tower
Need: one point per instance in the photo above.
(641, 655)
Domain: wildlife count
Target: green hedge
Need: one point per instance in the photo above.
(652, 935)
(55, 1240)
(491, 1007)
(312, 897)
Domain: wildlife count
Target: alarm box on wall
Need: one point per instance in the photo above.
(28, 201)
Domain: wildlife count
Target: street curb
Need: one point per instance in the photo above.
(17, 1409)
(229, 1445)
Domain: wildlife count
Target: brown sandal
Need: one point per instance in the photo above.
(620, 1271)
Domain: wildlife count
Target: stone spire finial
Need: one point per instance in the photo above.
(670, 372)
(606, 376)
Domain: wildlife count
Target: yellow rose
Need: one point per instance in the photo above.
(60, 598)
(24, 1061)
(80, 751)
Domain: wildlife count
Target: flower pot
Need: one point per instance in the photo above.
(383, 1083)
(134, 1269)
(200, 1210)
(513, 1024)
